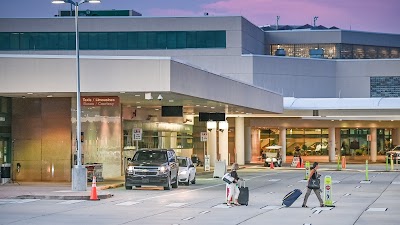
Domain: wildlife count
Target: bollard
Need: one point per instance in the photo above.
(338, 163)
(366, 170)
(328, 191)
(391, 162)
(387, 163)
(343, 162)
(307, 170)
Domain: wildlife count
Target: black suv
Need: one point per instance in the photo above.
(155, 167)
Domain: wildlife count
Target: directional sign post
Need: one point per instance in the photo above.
(204, 138)
(307, 170)
(328, 191)
(137, 135)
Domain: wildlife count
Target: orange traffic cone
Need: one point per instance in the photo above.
(271, 165)
(93, 193)
(302, 165)
(298, 165)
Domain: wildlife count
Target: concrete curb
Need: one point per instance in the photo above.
(58, 197)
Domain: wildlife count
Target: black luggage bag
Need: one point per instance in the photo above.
(243, 198)
(291, 197)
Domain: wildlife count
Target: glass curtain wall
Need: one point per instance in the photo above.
(158, 135)
(310, 141)
(354, 142)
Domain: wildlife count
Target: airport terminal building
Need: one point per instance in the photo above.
(325, 91)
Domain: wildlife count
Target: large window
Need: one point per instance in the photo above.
(310, 141)
(113, 40)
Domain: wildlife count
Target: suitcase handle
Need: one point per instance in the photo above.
(242, 183)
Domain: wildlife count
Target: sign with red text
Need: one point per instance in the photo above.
(100, 101)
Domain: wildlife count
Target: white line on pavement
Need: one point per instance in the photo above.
(128, 203)
(69, 202)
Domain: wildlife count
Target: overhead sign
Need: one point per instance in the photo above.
(100, 101)
(203, 136)
(137, 134)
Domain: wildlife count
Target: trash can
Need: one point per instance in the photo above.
(5, 173)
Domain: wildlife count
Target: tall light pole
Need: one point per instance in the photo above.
(277, 22)
(79, 174)
(315, 20)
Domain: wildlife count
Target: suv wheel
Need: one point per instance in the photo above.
(128, 187)
(168, 187)
(175, 185)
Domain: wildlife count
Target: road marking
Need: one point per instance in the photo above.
(290, 185)
(188, 218)
(335, 181)
(128, 203)
(271, 207)
(221, 206)
(365, 182)
(271, 192)
(318, 210)
(177, 204)
(274, 180)
(17, 201)
(204, 212)
(302, 181)
(376, 209)
(347, 194)
(395, 182)
(357, 186)
(69, 202)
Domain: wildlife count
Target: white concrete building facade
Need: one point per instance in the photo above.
(327, 106)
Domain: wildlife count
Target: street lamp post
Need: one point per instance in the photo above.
(79, 174)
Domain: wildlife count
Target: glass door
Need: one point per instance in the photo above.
(4, 151)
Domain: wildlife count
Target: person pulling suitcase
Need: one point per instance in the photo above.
(233, 187)
(313, 184)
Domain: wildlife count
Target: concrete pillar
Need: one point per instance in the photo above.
(282, 142)
(174, 140)
(247, 144)
(239, 140)
(223, 144)
(212, 145)
(255, 144)
(332, 144)
(396, 136)
(373, 145)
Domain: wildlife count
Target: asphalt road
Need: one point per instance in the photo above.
(203, 203)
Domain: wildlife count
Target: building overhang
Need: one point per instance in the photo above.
(130, 78)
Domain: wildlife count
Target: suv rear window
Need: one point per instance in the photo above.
(150, 156)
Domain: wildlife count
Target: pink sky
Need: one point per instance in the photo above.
(363, 15)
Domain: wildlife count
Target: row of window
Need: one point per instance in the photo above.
(338, 51)
(315, 141)
(113, 40)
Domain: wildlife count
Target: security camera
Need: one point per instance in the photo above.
(160, 97)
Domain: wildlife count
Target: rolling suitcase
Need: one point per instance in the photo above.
(243, 198)
(291, 197)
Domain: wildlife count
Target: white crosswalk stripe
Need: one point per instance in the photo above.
(69, 202)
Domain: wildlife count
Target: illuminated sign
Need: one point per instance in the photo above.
(100, 101)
